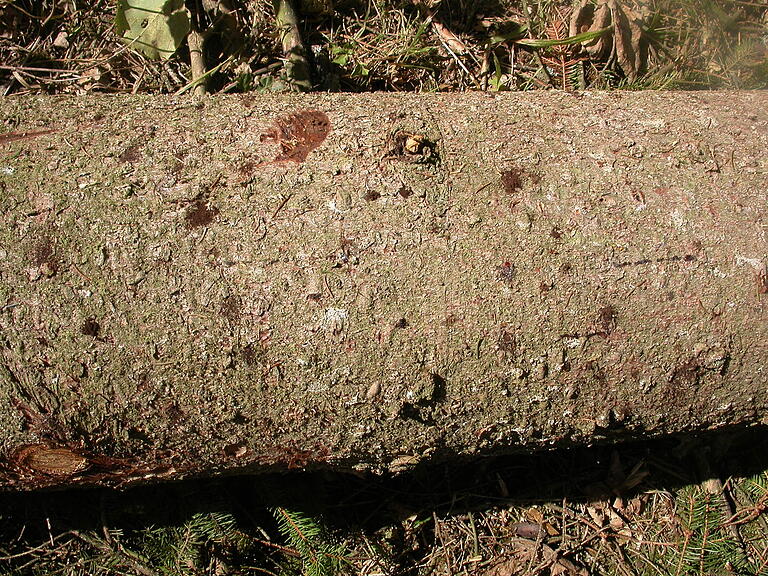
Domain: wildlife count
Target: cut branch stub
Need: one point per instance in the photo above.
(41, 459)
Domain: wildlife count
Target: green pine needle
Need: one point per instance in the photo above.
(318, 555)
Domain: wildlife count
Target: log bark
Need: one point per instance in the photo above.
(241, 284)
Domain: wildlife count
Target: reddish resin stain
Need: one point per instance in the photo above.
(298, 134)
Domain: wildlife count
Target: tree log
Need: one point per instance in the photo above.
(242, 284)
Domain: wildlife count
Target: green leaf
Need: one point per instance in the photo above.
(360, 70)
(155, 27)
(578, 39)
(515, 32)
(497, 73)
(341, 59)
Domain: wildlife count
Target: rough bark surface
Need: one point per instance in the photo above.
(193, 286)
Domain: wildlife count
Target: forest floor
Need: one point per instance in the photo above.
(682, 506)
(675, 506)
